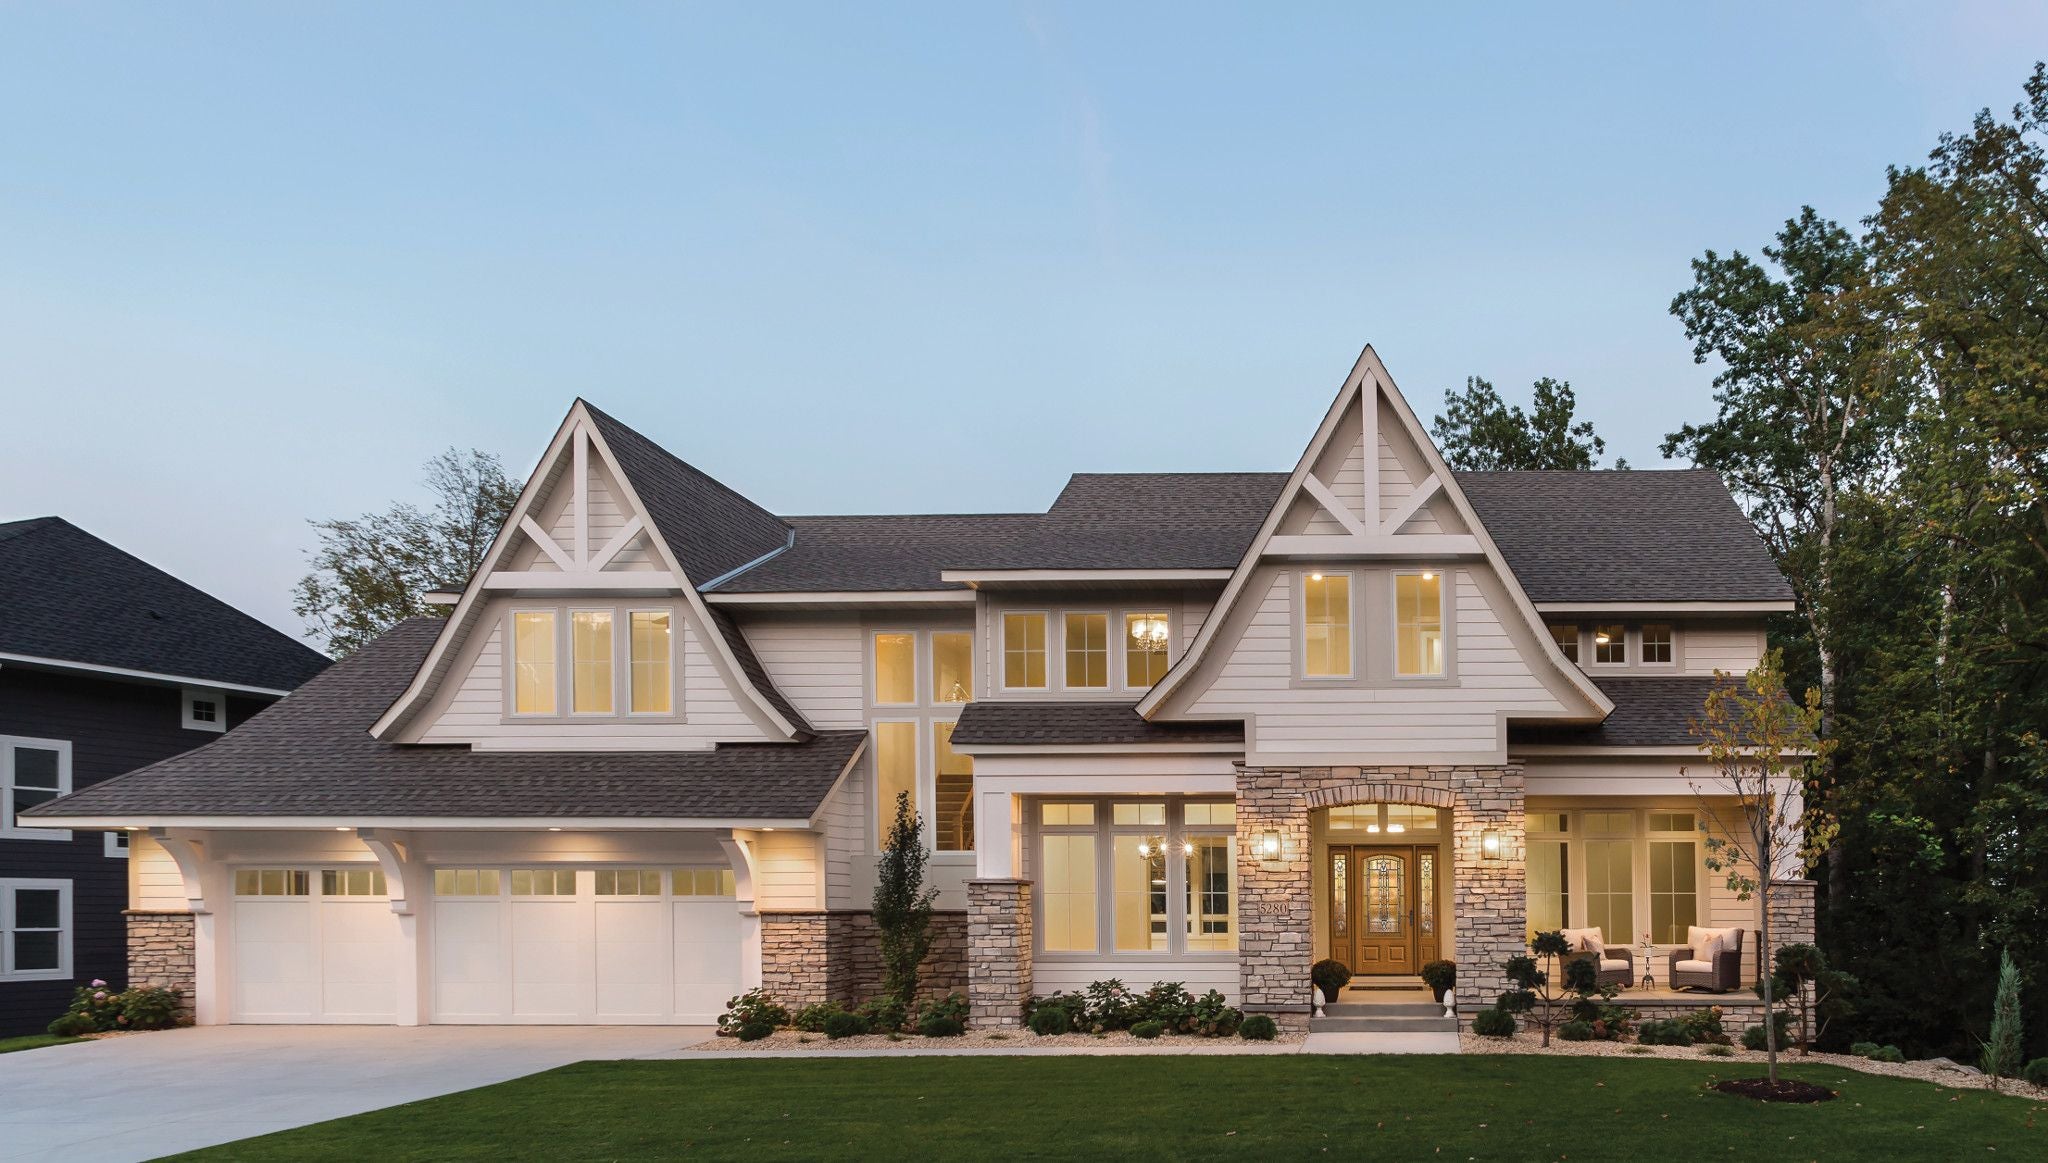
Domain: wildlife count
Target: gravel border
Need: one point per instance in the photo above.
(1121, 1040)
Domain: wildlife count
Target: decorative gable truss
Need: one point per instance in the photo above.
(583, 534)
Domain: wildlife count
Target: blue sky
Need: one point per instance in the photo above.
(259, 262)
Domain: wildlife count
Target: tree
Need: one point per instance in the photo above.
(1480, 431)
(1535, 984)
(372, 572)
(902, 904)
(1819, 993)
(2002, 1053)
(1763, 750)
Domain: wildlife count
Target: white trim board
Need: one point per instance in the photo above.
(149, 676)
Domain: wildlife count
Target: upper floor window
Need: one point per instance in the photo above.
(952, 666)
(896, 667)
(652, 654)
(590, 646)
(1146, 635)
(533, 662)
(1610, 644)
(1418, 624)
(1087, 650)
(1657, 644)
(203, 710)
(1024, 651)
(1326, 625)
(32, 771)
(1567, 639)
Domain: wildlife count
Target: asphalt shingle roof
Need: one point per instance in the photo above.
(67, 595)
(312, 755)
(1074, 723)
(1648, 712)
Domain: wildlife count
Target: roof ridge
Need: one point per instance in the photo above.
(607, 418)
(12, 529)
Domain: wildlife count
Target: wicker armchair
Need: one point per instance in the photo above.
(1720, 972)
(1608, 969)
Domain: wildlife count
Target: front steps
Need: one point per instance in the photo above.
(1366, 1017)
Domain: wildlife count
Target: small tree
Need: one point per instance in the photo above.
(1820, 994)
(1763, 751)
(1539, 984)
(2002, 1050)
(903, 905)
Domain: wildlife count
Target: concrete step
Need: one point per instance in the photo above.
(1383, 1009)
(1341, 1025)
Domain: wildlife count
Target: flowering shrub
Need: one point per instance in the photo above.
(95, 1008)
(754, 1007)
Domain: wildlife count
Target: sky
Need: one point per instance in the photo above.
(259, 262)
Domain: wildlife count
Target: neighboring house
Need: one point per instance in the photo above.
(1200, 727)
(107, 664)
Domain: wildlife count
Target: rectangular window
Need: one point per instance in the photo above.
(203, 710)
(35, 930)
(116, 845)
(1673, 822)
(1024, 651)
(1197, 814)
(352, 882)
(953, 787)
(1326, 625)
(1550, 822)
(1138, 871)
(952, 666)
(1610, 890)
(896, 667)
(1161, 876)
(533, 662)
(628, 882)
(1610, 644)
(1067, 886)
(1567, 639)
(1418, 624)
(705, 882)
(590, 647)
(1212, 893)
(1674, 890)
(1131, 814)
(543, 882)
(1657, 644)
(1410, 818)
(652, 650)
(273, 882)
(466, 882)
(1067, 814)
(1146, 636)
(1549, 881)
(32, 771)
(1087, 647)
(1355, 818)
(895, 773)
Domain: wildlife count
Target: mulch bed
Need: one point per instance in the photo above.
(1783, 1090)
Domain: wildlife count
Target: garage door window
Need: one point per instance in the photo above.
(704, 882)
(273, 882)
(466, 882)
(352, 882)
(629, 882)
(543, 882)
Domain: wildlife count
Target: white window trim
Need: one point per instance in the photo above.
(1121, 664)
(1592, 642)
(1105, 830)
(1444, 586)
(875, 668)
(116, 844)
(1638, 837)
(559, 623)
(1351, 593)
(927, 691)
(1578, 655)
(920, 793)
(1002, 659)
(569, 624)
(65, 921)
(9, 830)
(188, 695)
(1642, 660)
(1109, 682)
(675, 698)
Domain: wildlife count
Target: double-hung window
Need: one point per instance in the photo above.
(35, 930)
(32, 771)
(1326, 625)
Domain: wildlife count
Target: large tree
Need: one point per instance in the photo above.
(373, 571)
(1479, 430)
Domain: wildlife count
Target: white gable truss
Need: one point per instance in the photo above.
(1363, 495)
(578, 527)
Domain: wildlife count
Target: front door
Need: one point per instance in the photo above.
(1372, 909)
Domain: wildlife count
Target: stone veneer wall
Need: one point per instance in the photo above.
(999, 952)
(1793, 908)
(809, 957)
(1276, 897)
(161, 952)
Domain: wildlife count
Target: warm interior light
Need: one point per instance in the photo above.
(554, 829)
(1602, 639)
(341, 829)
(1372, 827)
(1187, 849)
(1315, 577)
(1428, 575)
(1397, 827)
(1144, 848)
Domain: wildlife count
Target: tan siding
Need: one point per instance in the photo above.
(1710, 648)
(818, 664)
(786, 870)
(153, 878)
(846, 841)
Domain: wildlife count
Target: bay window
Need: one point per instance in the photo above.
(1136, 876)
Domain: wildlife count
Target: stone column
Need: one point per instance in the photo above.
(1792, 913)
(796, 959)
(999, 944)
(162, 949)
(1275, 896)
(1491, 893)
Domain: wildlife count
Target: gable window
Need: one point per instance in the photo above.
(651, 647)
(952, 666)
(952, 793)
(533, 662)
(896, 667)
(1610, 644)
(35, 930)
(1145, 639)
(1326, 625)
(1024, 651)
(1418, 624)
(1567, 639)
(1657, 648)
(32, 771)
(203, 710)
(1087, 648)
(590, 652)
(895, 773)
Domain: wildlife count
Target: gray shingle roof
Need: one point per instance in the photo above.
(312, 755)
(1076, 723)
(65, 594)
(1648, 712)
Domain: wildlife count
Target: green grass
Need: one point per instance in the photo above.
(33, 1042)
(1506, 1107)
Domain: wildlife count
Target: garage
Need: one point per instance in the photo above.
(313, 945)
(561, 945)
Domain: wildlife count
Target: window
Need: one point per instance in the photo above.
(1139, 815)
(652, 650)
(32, 771)
(273, 882)
(1203, 814)
(1087, 647)
(1395, 819)
(895, 773)
(1550, 822)
(1549, 881)
(1066, 882)
(1567, 639)
(953, 793)
(1326, 625)
(116, 845)
(896, 667)
(35, 930)
(952, 666)
(533, 662)
(1418, 624)
(1673, 822)
(466, 882)
(1137, 876)
(590, 652)
(203, 710)
(1657, 644)
(1410, 818)
(543, 882)
(1610, 644)
(352, 882)
(1610, 876)
(1212, 897)
(628, 882)
(704, 882)
(1146, 636)
(1674, 890)
(1024, 651)
(1061, 815)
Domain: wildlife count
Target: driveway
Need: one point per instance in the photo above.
(145, 1095)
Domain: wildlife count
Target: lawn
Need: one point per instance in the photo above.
(33, 1042)
(1507, 1107)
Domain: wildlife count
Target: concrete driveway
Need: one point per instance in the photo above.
(145, 1095)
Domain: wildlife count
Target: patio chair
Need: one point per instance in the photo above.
(1711, 959)
(1617, 968)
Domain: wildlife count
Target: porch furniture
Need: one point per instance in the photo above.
(1608, 969)
(1711, 959)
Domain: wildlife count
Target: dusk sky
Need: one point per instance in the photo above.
(259, 262)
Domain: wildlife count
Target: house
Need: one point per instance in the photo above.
(1201, 727)
(107, 664)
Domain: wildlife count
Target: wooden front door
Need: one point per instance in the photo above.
(1379, 923)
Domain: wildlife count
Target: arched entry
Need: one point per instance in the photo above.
(1382, 887)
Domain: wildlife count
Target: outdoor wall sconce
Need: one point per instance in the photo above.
(1269, 846)
(1489, 845)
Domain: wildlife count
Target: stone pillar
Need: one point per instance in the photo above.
(162, 949)
(1792, 913)
(795, 960)
(1275, 895)
(998, 952)
(1490, 898)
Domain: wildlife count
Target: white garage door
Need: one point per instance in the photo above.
(314, 945)
(566, 945)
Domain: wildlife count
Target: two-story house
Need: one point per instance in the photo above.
(107, 664)
(1196, 727)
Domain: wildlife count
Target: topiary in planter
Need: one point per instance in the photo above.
(1493, 1023)
(1329, 976)
(1148, 1030)
(1258, 1028)
(845, 1026)
(1049, 1021)
(1440, 976)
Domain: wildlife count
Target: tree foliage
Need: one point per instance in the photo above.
(902, 903)
(373, 571)
(1478, 430)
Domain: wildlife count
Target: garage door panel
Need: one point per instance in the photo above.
(548, 955)
(358, 958)
(306, 958)
(632, 967)
(707, 957)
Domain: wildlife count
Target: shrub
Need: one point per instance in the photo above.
(2036, 1072)
(1493, 1023)
(940, 1026)
(844, 1025)
(1258, 1028)
(754, 1031)
(97, 1008)
(1718, 1051)
(883, 1015)
(1576, 1031)
(1886, 1054)
(1864, 1049)
(2001, 1058)
(1753, 1037)
(902, 903)
(1148, 1030)
(1214, 1017)
(147, 1008)
(753, 1007)
(1440, 976)
(1073, 1005)
(1664, 1033)
(1049, 1021)
(1329, 976)
(1110, 1005)
(72, 1025)
(1704, 1025)
(1169, 1005)
(953, 1006)
(811, 1019)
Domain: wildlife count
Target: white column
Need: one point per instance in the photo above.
(1000, 835)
